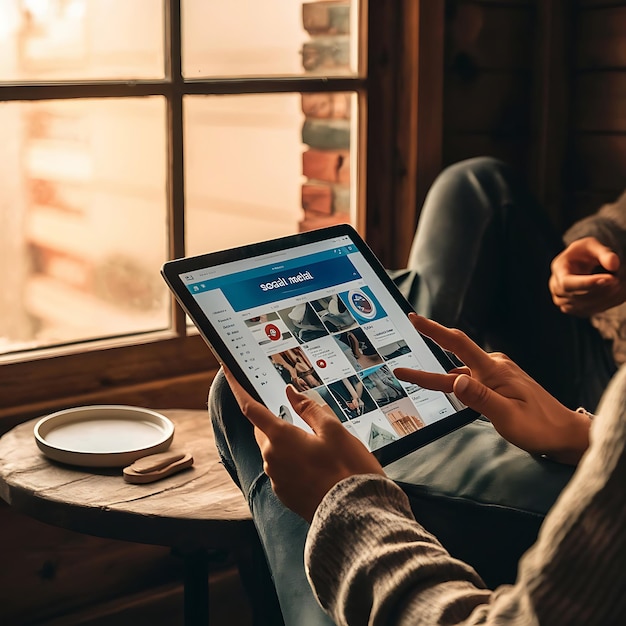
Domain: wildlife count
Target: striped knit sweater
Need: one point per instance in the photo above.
(370, 562)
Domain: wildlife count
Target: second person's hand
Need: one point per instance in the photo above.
(587, 278)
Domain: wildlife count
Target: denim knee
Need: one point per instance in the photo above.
(482, 165)
(234, 436)
(487, 178)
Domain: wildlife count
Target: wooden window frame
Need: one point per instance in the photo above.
(174, 368)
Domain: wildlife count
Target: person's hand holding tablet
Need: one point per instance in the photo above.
(262, 308)
(304, 466)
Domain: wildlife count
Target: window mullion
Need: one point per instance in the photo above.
(175, 161)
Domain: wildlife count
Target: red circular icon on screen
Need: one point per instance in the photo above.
(273, 332)
(320, 363)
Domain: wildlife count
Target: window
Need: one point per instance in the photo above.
(136, 132)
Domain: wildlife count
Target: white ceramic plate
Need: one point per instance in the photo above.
(103, 435)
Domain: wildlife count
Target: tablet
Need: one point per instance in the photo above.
(317, 310)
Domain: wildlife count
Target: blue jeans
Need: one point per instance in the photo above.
(483, 498)
(480, 262)
(282, 533)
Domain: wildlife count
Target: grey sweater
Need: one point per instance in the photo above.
(608, 226)
(370, 562)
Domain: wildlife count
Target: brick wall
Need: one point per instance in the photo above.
(326, 129)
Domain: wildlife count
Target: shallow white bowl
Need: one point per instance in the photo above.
(103, 435)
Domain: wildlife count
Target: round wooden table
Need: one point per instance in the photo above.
(195, 512)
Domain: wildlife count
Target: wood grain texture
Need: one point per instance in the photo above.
(583, 203)
(189, 392)
(551, 104)
(601, 34)
(599, 103)
(422, 150)
(100, 367)
(488, 102)
(600, 3)
(599, 162)
(491, 36)
(509, 148)
(198, 508)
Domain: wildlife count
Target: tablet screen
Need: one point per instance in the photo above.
(321, 315)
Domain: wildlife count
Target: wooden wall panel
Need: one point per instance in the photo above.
(184, 392)
(47, 570)
(599, 3)
(583, 203)
(492, 37)
(56, 577)
(513, 150)
(601, 37)
(492, 103)
(425, 146)
(120, 368)
(599, 162)
(564, 128)
(551, 105)
(599, 102)
(488, 81)
(595, 171)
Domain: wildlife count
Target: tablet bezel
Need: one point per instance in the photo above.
(172, 270)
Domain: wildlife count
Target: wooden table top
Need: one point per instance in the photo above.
(198, 508)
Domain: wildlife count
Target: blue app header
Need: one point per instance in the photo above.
(287, 283)
(267, 283)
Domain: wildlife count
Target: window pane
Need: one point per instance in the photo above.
(82, 220)
(253, 163)
(80, 39)
(272, 37)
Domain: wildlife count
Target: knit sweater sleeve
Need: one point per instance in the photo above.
(366, 556)
(608, 226)
(370, 562)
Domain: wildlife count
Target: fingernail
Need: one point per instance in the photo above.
(296, 391)
(461, 383)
